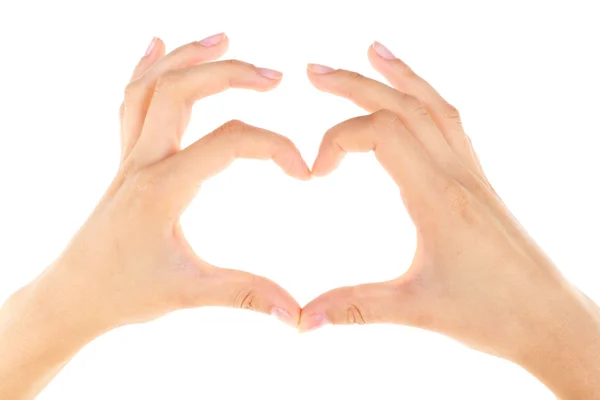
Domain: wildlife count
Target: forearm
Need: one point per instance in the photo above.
(565, 355)
(40, 331)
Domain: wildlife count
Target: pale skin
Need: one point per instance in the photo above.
(130, 262)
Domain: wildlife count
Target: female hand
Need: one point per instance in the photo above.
(130, 261)
(476, 275)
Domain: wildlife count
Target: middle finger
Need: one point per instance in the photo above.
(374, 96)
(177, 91)
(139, 91)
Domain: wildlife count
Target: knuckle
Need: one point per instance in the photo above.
(246, 299)
(406, 71)
(231, 129)
(353, 87)
(282, 141)
(133, 91)
(420, 109)
(459, 199)
(234, 125)
(355, 315)
(411, 103)
(166, 82)
(452, 112)
(142, 181)
(234, 63)
(354, 75)
(136, 191)
(386, 122)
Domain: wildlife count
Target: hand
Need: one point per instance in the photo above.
(130, 261)
(476, 275)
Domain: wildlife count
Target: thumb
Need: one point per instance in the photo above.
(385, 302)
(240, 289)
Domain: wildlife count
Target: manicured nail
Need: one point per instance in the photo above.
(284, 317)
(313, 322)
(383, 51)
(319, 69)
(212, 40)
(270, 73)
(150, 47)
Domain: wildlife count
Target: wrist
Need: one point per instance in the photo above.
(44, 323)
(564, 348)
(42, 326)
(61, 305)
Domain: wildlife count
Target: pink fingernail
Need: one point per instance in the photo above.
(383, 51)
(269, 73)
(313, 322)
(284, 317)
(212, 40)
(150, 47)
(319, 69)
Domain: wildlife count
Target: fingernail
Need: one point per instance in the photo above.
(319, 69)
(269, 73)
(383, 51)
(313, 322)
(284, 317)
(150, 47)
(212, 40)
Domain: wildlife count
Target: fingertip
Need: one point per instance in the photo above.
(271, 74)
(383, 51)
(160, 45)
(318, 171)
(293, 164)
(319, 69)
(155, 50)
(267, 79)
(320, 167)
(214, 40)
(304, 172)
(300, 173)
(284, 316)
(218, 42)
(312, 321)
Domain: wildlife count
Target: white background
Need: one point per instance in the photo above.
(524, 74)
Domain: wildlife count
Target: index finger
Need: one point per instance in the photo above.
(419, 178)
(176, 92)
(203, 159)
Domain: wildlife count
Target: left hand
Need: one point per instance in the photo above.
(130, 261)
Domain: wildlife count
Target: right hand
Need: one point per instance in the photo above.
(476, 275)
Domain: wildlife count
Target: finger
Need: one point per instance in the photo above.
(420, 180)
(186, 170)
(373, 96)
(386, 302)
(175, 94)
(239, 289)
(155, 50)
(445, 115)
(138, 93)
